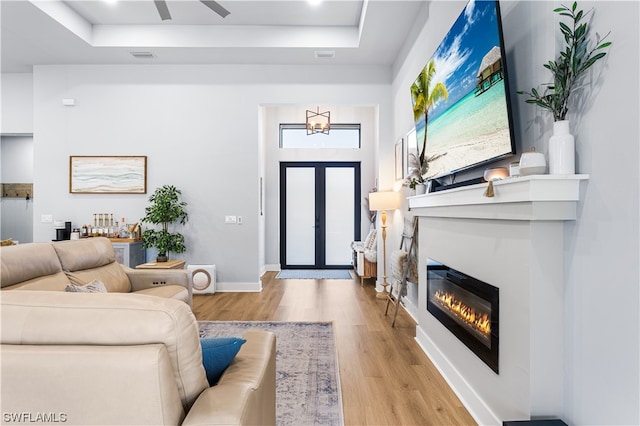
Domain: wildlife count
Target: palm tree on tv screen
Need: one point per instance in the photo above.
(424, 100)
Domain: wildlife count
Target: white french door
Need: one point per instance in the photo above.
(319, 214)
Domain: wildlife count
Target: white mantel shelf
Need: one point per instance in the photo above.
(536, 197)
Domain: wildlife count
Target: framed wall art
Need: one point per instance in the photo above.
(108, 174)
(400, 167)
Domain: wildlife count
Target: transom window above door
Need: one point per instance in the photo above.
(341, 136)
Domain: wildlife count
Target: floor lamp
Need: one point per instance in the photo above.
(383, 201)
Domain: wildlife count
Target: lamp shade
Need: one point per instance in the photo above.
(387, 200)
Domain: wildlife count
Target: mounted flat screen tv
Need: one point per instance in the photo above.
(468, 111)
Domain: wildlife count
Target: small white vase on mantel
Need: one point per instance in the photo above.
(562, 150)
(421, 188)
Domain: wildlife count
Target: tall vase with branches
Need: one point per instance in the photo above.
(568, 71)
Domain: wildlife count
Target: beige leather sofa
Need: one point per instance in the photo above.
(51, 266)
(123, 359)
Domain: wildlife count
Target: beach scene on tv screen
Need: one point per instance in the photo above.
(471, 124)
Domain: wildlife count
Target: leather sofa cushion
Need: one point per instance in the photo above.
(55, 282)
(249, 381)
(106, 319)
(42, 261)
(112, 275)
(95, 385)
(87, 253)
(169, 291)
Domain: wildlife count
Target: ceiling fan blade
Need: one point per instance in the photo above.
(216, 7)
(163, 10)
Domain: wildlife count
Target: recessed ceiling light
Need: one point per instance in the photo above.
(325, 54)
(314, 2)
(111, 1)
(143, 55)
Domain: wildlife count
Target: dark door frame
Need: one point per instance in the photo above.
(320, 217)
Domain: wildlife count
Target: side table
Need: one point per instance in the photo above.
(170, 264)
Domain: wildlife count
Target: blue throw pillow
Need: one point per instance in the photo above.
(217, 354)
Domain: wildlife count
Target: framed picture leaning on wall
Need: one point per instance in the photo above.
(411, 148)
(399, 164)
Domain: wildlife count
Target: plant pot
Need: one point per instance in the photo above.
(162, 258)
(421, 188)
(562, 150)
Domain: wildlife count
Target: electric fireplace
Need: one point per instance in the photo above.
(467, 307)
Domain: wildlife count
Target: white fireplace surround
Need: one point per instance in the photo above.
(513, 241)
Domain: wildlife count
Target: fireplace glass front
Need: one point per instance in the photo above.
(467, 307)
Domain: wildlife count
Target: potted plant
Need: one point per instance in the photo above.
(417, 178)
(568, 70)
(165, 209)
(417, 170)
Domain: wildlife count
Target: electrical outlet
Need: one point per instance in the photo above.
(46, 218)
(230, 219)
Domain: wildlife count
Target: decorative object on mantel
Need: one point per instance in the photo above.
(532, 163)
(318, 122)
(562, 148)
(418, 170)
(514, 168)
(568, 69)
(490, 191)
(165, 209)
(496, 173)
(383, 201)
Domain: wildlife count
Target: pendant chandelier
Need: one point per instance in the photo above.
(318, 122)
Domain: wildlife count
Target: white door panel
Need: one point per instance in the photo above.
(300, 216)
(339, 216)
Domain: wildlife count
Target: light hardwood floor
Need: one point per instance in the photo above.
(385, 377)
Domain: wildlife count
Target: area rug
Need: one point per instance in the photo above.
(307, 374)
(314, 274)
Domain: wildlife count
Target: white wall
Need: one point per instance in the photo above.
(602, 344)
(17, 103)
(602, 352)
(200, 127)
(16, 214)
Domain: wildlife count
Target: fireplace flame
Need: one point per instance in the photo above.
(478, 321)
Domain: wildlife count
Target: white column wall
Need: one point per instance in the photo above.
(17, 103)
(601, 367)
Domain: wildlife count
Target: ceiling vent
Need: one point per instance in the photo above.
(325, 54)
(143, 55)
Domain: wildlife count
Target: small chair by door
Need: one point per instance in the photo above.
(365, 256)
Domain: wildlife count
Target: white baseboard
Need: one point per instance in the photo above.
(410, 308)
(480, 412)
(272, 267)
(235, 287)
